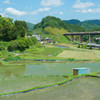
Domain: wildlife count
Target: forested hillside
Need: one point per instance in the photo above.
(54, 22)
(54, 28)
(89, 25)
(30, 25)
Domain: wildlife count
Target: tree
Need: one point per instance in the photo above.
(21, 28)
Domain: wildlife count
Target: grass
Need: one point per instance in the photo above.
(42, 53)
(80, 89)
(80, 54)
(24, 83)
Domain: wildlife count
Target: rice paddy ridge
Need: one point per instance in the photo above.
(52, 85)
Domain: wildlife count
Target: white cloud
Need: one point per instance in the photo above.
(52, 3)
(97, 10)
(40, 10)
(7, 2)
(14, 12)
(81, 5)
(60, 12)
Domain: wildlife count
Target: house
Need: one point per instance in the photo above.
(80, 71)
(48, 40)
(38, 37)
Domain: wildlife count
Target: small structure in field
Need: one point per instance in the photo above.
(48, 40)
(80, 71)
(98, 38)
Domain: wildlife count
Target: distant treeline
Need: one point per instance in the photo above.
(89, 25)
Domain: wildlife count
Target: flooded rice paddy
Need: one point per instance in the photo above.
(81, 89)
(44, 69)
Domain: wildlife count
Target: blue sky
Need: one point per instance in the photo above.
(34, 10)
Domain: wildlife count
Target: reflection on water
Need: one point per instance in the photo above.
(44, 69)
(11, 70)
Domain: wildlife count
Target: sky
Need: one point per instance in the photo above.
(34, 10)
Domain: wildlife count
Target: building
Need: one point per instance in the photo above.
(80, 71)
(91, 44)
(48, 40)
(38, 37)
(98, 38)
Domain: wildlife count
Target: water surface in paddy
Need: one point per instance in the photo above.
(44, 69)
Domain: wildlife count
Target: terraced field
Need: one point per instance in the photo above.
(80, 89)
(80, 54)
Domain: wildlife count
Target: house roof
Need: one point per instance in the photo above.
(47, 38)
(91, 44)
(38, 37)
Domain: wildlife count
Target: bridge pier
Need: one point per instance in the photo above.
(80, 39)
(71, 38)
(90, 38)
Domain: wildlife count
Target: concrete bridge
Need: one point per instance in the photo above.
(81, 34)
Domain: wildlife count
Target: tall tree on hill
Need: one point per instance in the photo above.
(7, 29)
(21, 28)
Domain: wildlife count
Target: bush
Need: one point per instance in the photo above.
(12, 58)
(34, 40)
(38, 45)
(84, 46)
(12, 46)
(90, 47)
(2, 47)
(78, 46)
(30, 42)
(21, 45)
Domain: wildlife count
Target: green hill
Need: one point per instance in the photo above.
(30, 25)
(54, 22)
(72, 21)
(97, 22)
(51, 21)
(89, 25)
(53, 28)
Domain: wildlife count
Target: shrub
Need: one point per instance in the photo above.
(84, 46)
(12, 58)
(2, 47)
(12, 46)
(34, 40)
(38, 45)
(90, 47)
(78, 46)
(30, 42)
(21, 45)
